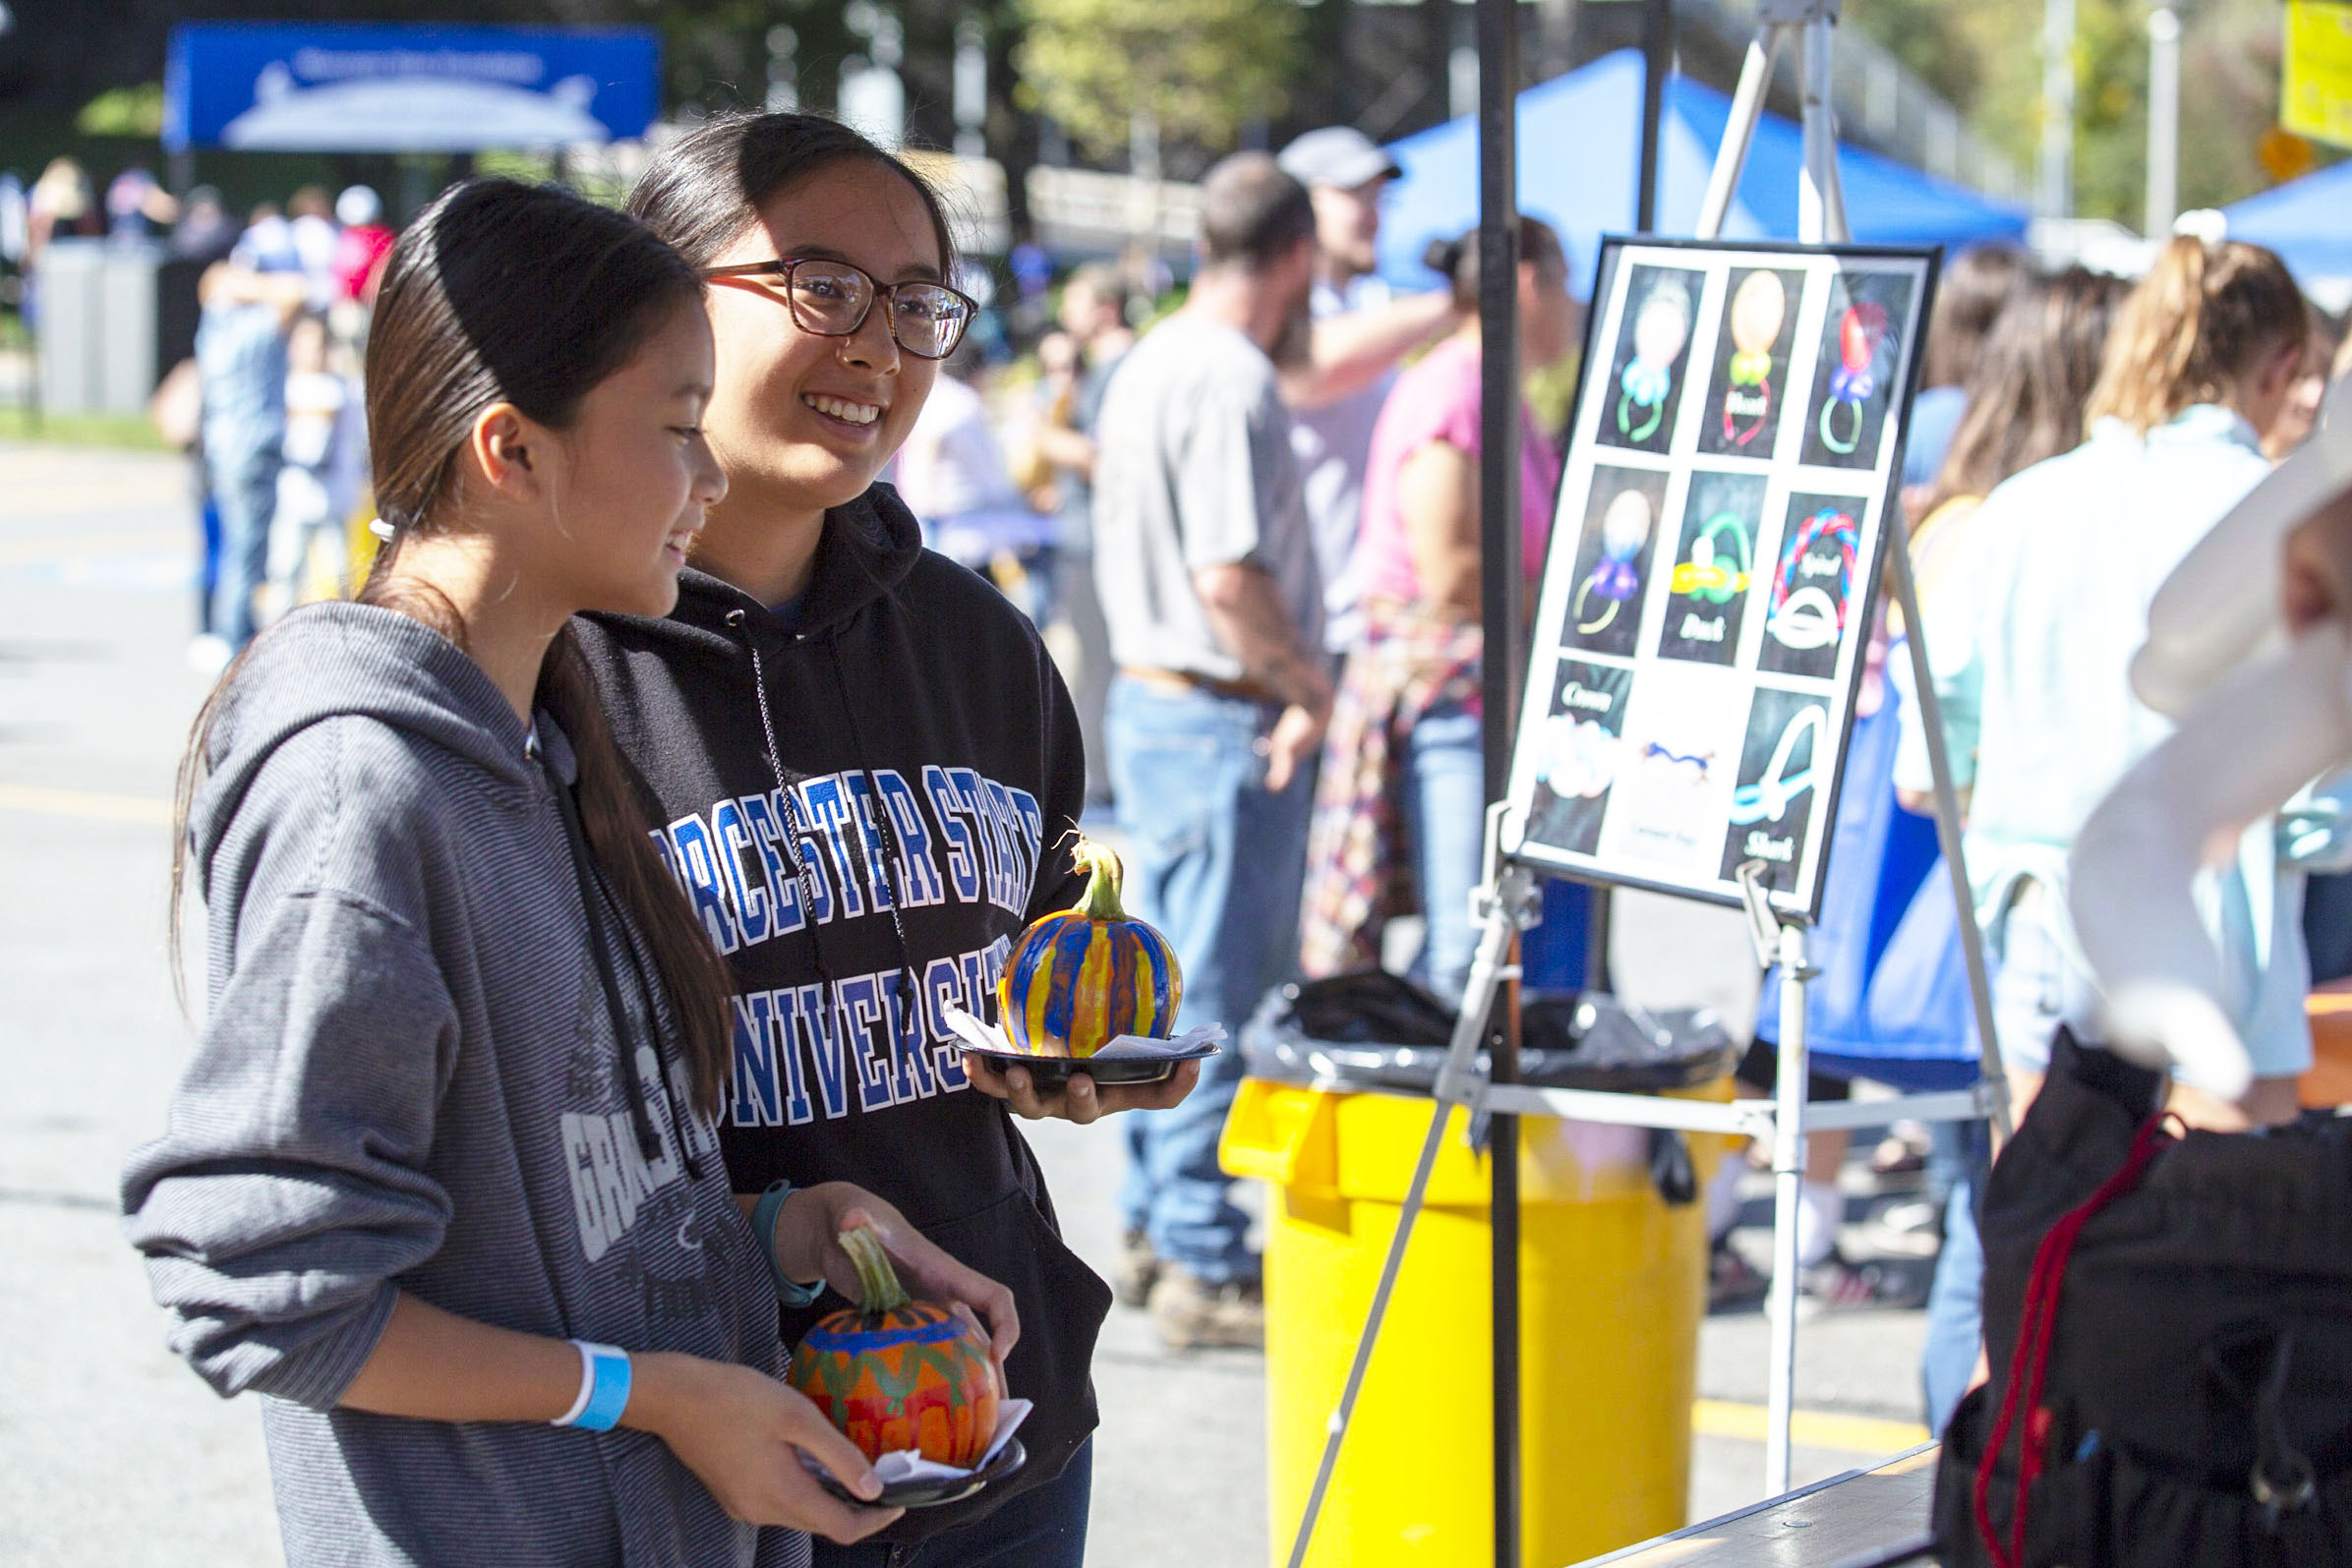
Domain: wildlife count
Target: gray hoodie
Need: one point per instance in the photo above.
(409, 1078)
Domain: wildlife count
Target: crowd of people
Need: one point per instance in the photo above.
(269, 406)
(705, 559)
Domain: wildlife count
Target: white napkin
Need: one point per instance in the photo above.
(989, 1037)
(908, 1465)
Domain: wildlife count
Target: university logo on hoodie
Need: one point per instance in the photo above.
(760, 867)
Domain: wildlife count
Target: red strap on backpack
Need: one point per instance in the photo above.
(2030, 1359)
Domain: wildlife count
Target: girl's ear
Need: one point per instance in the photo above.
(509, 452)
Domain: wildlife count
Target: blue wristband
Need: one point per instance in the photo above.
(792, 1293)
(603, 1388)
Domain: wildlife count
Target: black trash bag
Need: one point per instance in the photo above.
(1371, 1029)
(1374, 1030)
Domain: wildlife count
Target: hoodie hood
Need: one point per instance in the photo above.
(867, 552)
(330, 659)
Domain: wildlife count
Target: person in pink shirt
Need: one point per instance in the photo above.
(1399, 806)
(361, 245)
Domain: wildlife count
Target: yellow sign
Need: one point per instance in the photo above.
(2317, 98)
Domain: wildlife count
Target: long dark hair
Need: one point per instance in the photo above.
(1969, 298)
(508, 293)
(2031, 380)
(707, 187)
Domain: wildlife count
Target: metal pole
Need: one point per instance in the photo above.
(2057, 196)
(1947, 828)
(2164, 121)
(1747, 105)
(1788, 1193)
(1657, 59)
(1820, 196)
(1499, 605)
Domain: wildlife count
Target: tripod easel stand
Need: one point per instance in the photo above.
(1505, 903)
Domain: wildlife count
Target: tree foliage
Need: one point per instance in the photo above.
(1987, 58)
(1203, 68)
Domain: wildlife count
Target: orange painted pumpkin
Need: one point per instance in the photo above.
(1079, 978)
(895, 1373)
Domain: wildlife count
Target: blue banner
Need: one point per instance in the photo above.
(386, 88)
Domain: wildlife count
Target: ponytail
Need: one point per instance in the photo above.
(2203, 319)
(1457, 259)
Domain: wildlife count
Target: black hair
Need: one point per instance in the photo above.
(708, 187)
(502, 292)
(1457, 259)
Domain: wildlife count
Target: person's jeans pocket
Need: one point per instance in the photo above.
(1163, 807)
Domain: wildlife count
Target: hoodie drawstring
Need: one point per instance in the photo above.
(595, 899)
(797, 832)
(786, 781)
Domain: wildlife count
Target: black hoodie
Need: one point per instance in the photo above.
(934, 774)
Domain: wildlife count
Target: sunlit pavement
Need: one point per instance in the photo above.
(112, 1454)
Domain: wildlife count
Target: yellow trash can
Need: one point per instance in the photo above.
(1612, 1285)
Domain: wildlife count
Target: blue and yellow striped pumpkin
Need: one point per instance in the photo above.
(1077, 980)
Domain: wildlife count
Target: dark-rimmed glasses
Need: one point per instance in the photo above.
(832, 299)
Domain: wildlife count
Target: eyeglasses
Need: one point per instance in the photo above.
(832, 299)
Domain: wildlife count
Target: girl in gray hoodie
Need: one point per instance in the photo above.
(441, 1183)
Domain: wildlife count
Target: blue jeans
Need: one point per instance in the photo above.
(1956, 1300)
(2032, 991)
(1045, 1527)
(245, 488)
(1216, 861)
(1444, 817)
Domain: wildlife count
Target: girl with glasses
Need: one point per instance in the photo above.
(442, 1181)
(866, 768)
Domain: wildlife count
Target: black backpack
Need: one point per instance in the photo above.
(2169, 1326)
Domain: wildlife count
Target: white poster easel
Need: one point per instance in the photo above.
(1507, 902)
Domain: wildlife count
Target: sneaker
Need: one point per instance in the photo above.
(1193, 1314)
(1910, 1226)
(1136, 1271)
(1836, 1285)
(1733, 1281)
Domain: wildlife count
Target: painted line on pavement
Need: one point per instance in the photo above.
(1807, 1428)
(85, 804)
(72, 547)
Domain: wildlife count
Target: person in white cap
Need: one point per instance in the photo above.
(1336, 373)
(360, 252)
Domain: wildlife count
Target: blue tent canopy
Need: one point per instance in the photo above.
(1579, 145)
(2307, 221)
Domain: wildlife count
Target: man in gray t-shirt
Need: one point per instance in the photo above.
(1197, 473)
(1205, 563)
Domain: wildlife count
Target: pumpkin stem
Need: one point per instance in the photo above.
(878, 1287)
(1104, 876)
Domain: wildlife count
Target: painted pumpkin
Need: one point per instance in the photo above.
(895, 1373)
(1077, 980)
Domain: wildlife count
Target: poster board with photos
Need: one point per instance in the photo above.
(1711, 578)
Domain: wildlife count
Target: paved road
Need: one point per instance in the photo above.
(112, 1454)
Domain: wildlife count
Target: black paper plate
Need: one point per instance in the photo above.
(932, 1493)
(1052, 1072)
